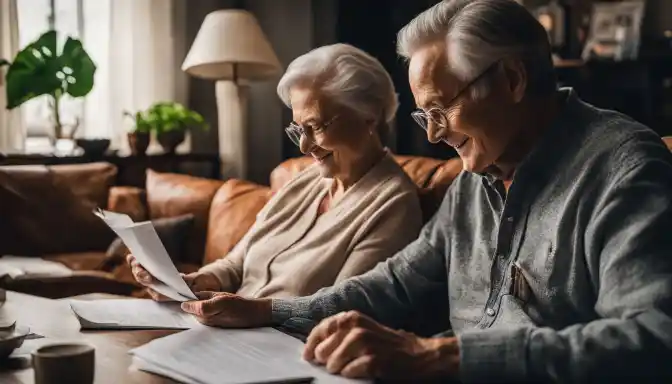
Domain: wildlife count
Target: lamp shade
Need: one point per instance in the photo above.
(229, 46)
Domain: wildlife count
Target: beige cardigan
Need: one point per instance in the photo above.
(291, 251)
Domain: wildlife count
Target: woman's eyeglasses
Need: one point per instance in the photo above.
(295, 131)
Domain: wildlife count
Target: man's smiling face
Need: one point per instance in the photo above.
(476, 129)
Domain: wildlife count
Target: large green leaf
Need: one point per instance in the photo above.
(79, 79)
(38, 70)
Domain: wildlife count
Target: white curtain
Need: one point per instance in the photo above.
(147, 46)
(12, 136)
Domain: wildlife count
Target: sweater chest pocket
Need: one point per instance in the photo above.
(538, 264)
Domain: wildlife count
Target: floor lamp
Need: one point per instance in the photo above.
(231, 49)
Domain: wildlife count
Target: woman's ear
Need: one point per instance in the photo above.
(516, 78)
(371, 125)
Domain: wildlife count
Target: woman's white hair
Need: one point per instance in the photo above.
(348, 75)
(477, 33)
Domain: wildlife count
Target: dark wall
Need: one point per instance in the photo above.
(372, 26)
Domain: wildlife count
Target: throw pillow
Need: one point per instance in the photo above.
(173, 233)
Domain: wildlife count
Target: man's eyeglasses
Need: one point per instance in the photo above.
(295, 131)
(437, 115)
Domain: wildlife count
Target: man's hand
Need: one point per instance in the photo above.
(197, 282)
(355, 346)
(226, 310)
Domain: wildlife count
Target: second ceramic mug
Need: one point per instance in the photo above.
(71, 363)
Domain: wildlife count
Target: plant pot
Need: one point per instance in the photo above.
(93, 147)
(138, 142)
(170, 140)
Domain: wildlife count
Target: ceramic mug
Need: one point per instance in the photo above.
(71, 363)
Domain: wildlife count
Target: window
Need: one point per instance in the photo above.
(89, 21)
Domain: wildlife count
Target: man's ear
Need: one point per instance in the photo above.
(516, 77)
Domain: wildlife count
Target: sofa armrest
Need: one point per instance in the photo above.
(129, 200)
(78, 283)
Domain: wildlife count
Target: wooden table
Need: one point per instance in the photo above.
(54, 320)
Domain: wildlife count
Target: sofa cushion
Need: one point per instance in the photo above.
(170, 195)
(233, 211)
(131, 201)
(433, 177)
(89, 183)
(42, 213)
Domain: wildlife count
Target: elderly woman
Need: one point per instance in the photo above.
(352, 209)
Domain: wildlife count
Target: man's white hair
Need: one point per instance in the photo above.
(478, 33)
(348, 75)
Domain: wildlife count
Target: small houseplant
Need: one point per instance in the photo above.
(39, 69)
(139, 136)
(170, 121)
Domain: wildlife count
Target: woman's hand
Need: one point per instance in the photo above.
(202, 282)
(197, 282)
(226, 310)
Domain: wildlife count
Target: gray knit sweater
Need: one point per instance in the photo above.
(568, 278)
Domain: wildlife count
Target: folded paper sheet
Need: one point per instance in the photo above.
(131, 314)
(144, 243)
(208, 355)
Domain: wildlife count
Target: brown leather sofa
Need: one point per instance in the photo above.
(46, 211)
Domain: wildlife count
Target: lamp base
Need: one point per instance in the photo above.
(232, 111)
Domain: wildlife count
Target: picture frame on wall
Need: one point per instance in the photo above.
(552, 17)
(615, 31)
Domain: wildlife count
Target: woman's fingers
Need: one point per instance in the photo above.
(139, 272)
(157, 296)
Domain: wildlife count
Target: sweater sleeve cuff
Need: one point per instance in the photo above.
(493, 355)
(281, 310)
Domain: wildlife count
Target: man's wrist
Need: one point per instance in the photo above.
(265, 311)
(444, 356)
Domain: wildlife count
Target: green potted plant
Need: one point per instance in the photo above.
(139, 136)
(171, 121)
(39, 69)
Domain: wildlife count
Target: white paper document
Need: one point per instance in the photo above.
(18, 266)
(144, 243)
(208, 355)
(131, 314)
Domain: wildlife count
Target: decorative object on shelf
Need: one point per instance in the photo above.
(139, 136)
(39, 69)
(93, 147)
(552, 18)
(169, 121)
(231, 49)
(615, 31)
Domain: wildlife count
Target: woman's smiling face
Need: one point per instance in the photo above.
(333, 135)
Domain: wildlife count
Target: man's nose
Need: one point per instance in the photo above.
(434, 132)
(306, 145)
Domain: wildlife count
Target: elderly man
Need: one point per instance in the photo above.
(552, 251)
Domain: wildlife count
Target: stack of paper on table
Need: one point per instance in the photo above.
(131, 314)
(144, 243)
(18, 266)
(207, 355)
